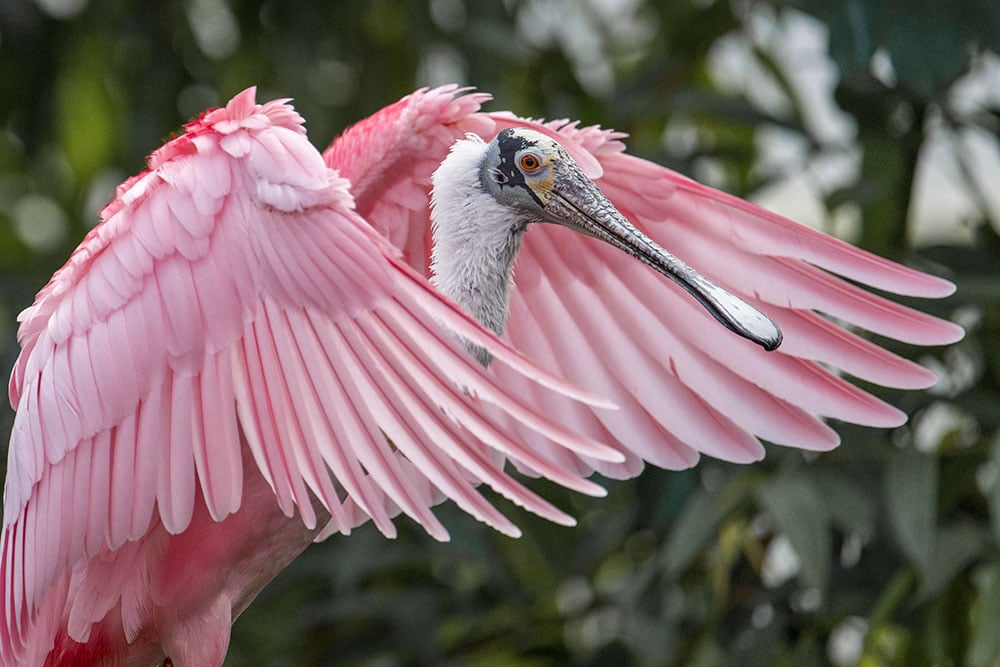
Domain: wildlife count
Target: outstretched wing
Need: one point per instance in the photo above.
(232, 289)
(684, 384)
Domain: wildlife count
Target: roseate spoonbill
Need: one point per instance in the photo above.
(247, 355)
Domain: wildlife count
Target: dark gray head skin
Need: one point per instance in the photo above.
(538, 181)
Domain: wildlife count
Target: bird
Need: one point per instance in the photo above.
(261, 345)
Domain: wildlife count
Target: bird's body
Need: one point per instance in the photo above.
(247, 354)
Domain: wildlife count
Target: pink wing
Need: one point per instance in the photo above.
(232, 293)
(592, 314)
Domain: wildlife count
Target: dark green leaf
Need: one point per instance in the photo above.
(800, 512)
(984, 646)
(911, 501)
(692, 530)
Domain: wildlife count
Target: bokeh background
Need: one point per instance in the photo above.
(875, 120)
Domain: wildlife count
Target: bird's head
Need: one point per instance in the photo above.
(536, 180)
(520, 169)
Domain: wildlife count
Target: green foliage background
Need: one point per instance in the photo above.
(889, 544)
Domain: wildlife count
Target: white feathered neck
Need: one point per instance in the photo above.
(475, 238)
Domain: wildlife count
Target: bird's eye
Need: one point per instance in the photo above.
(530, 162)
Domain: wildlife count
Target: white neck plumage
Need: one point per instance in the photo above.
(475, 240)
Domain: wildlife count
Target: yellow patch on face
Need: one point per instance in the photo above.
(542, 185)
(538, 175)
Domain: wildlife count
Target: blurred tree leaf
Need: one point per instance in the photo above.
(954, 548)
(692, 530)
(984, 645)
(911, 500)
(849, 504)
(799, 511)
(927, 42)
(87, 114)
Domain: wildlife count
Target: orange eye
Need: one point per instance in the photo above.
(529, 162)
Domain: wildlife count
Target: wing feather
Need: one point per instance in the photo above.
(808, 334)
(614, 279)
(375, 452)
(670, 403)
(146, 444)
(17, 590)
(470, 376)
(577, 358)
(175, 481)
(30, 551)
(327, 406)
(373, 382)
(272, 419)
(253, 417)
(285, 376)
(765, 233)
(284, 430)
(79, 463)
(216, 438)
(123, 479)
(755, 409)
(98, 494)
(485, 466)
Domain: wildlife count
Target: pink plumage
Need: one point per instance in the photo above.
(209, 382)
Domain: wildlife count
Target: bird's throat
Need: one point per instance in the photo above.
(474, 265)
